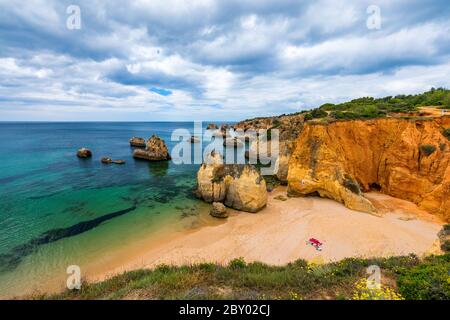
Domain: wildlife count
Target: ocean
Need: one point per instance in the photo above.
(57, 210)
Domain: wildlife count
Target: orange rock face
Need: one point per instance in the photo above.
(407, 159)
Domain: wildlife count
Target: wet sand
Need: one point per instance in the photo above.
(279, 233)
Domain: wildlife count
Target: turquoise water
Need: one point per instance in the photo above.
(57, 210)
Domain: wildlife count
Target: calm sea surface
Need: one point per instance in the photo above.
(57, 210)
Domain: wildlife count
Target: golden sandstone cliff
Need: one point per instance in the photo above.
(407, 159)
(240, 187)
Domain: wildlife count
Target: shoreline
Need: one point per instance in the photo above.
(402, 229)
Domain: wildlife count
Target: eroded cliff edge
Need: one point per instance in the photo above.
(405, 158)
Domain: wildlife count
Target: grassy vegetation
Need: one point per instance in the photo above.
(404, 106)
(407, 276)
(430, 280)
(272, 182)
(444, 237)
(369, 108)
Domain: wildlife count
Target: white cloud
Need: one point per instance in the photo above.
(219, 59)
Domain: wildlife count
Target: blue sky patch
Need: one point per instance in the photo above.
(162, 92)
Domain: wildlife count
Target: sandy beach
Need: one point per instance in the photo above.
(279, 233)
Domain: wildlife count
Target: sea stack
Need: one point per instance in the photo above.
(240, 187)
(212, 126)
(137, 142)
(84, 153)
(156, 150)
(233, 142)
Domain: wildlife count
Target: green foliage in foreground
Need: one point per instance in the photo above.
(430, 280)
(414, 278)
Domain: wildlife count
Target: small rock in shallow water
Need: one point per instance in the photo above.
(156, 150)
(84, 153)
(107, 160)
(219, 210)
(137, 142)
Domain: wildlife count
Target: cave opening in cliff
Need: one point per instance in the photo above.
(375, 186)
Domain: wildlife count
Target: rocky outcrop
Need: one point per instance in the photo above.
(156, 150)
(84, 153)
(233, 142)
(106, 160)
(218, 210)
(289, 127)
(282, 164)
(407, 159)
(263, 151)
(137, 142)
(238, 186)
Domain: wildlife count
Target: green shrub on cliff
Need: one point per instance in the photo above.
(238, 263)
(352, 185)
(446, 246)
(369, 107)
(318, 113)
(444, 237)
(446, 133)
(427, 149)
(344, 115)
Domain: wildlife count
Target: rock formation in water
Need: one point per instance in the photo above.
(234, 142)
(156, 150)
(238, 186)
(107, 160)
(137, 142)
(218, 210)
(407, 159)
(84, 153)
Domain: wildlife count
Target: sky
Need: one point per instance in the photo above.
(175, 60)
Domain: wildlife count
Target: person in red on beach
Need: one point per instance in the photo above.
(315, 243)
